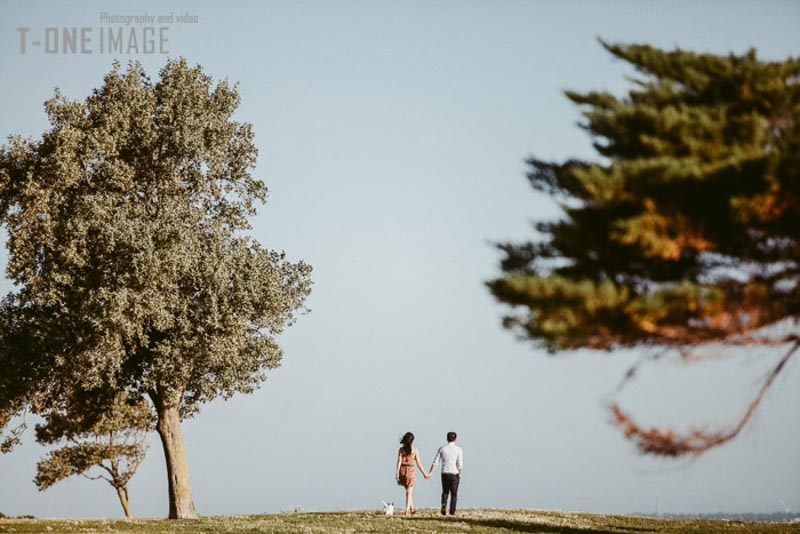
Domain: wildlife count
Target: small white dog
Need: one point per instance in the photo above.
(388, 509)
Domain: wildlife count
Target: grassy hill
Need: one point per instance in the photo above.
(428, 521)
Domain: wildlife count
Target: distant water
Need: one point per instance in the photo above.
(775, 517)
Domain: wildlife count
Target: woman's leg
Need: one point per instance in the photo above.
(409, 490)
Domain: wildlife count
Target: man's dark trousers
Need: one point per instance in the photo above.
(450, 487)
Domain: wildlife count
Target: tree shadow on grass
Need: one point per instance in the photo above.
(519, 526)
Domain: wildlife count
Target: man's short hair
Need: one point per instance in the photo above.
(451, 436)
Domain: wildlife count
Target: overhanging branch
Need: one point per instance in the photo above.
(667, 442)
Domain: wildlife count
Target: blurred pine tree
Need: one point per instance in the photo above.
(686, 231)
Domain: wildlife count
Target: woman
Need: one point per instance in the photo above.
(404, 473)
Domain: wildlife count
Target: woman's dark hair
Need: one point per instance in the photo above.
(407, 440)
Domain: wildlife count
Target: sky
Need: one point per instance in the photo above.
(392, 137)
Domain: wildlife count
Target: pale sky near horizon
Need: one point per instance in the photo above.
(392, 136)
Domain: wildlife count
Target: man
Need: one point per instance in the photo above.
(452, 459)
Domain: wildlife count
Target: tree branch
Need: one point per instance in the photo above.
(666, 442)
(690, 354)
(630, 374)
(98, 477)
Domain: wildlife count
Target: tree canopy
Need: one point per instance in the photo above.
(683, 232)
(108, 439)
(127, 237)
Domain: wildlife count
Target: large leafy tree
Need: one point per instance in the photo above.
(99, 439)
(684, 234)
(127, 243)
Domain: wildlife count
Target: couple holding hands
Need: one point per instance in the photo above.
(452, 459)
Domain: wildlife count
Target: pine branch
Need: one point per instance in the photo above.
(666, 442)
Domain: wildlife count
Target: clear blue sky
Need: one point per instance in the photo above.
(393, 136)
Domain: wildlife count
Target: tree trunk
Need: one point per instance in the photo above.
(123, 499)
(181, 505)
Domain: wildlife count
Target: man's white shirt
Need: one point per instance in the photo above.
(452, 458)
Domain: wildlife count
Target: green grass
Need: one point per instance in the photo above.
(428, 521)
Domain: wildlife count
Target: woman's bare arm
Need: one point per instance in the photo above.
(397, 467)
(419, 464)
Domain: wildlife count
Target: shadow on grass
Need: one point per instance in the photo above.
(516, 526)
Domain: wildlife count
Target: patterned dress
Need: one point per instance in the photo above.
(407, 471)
